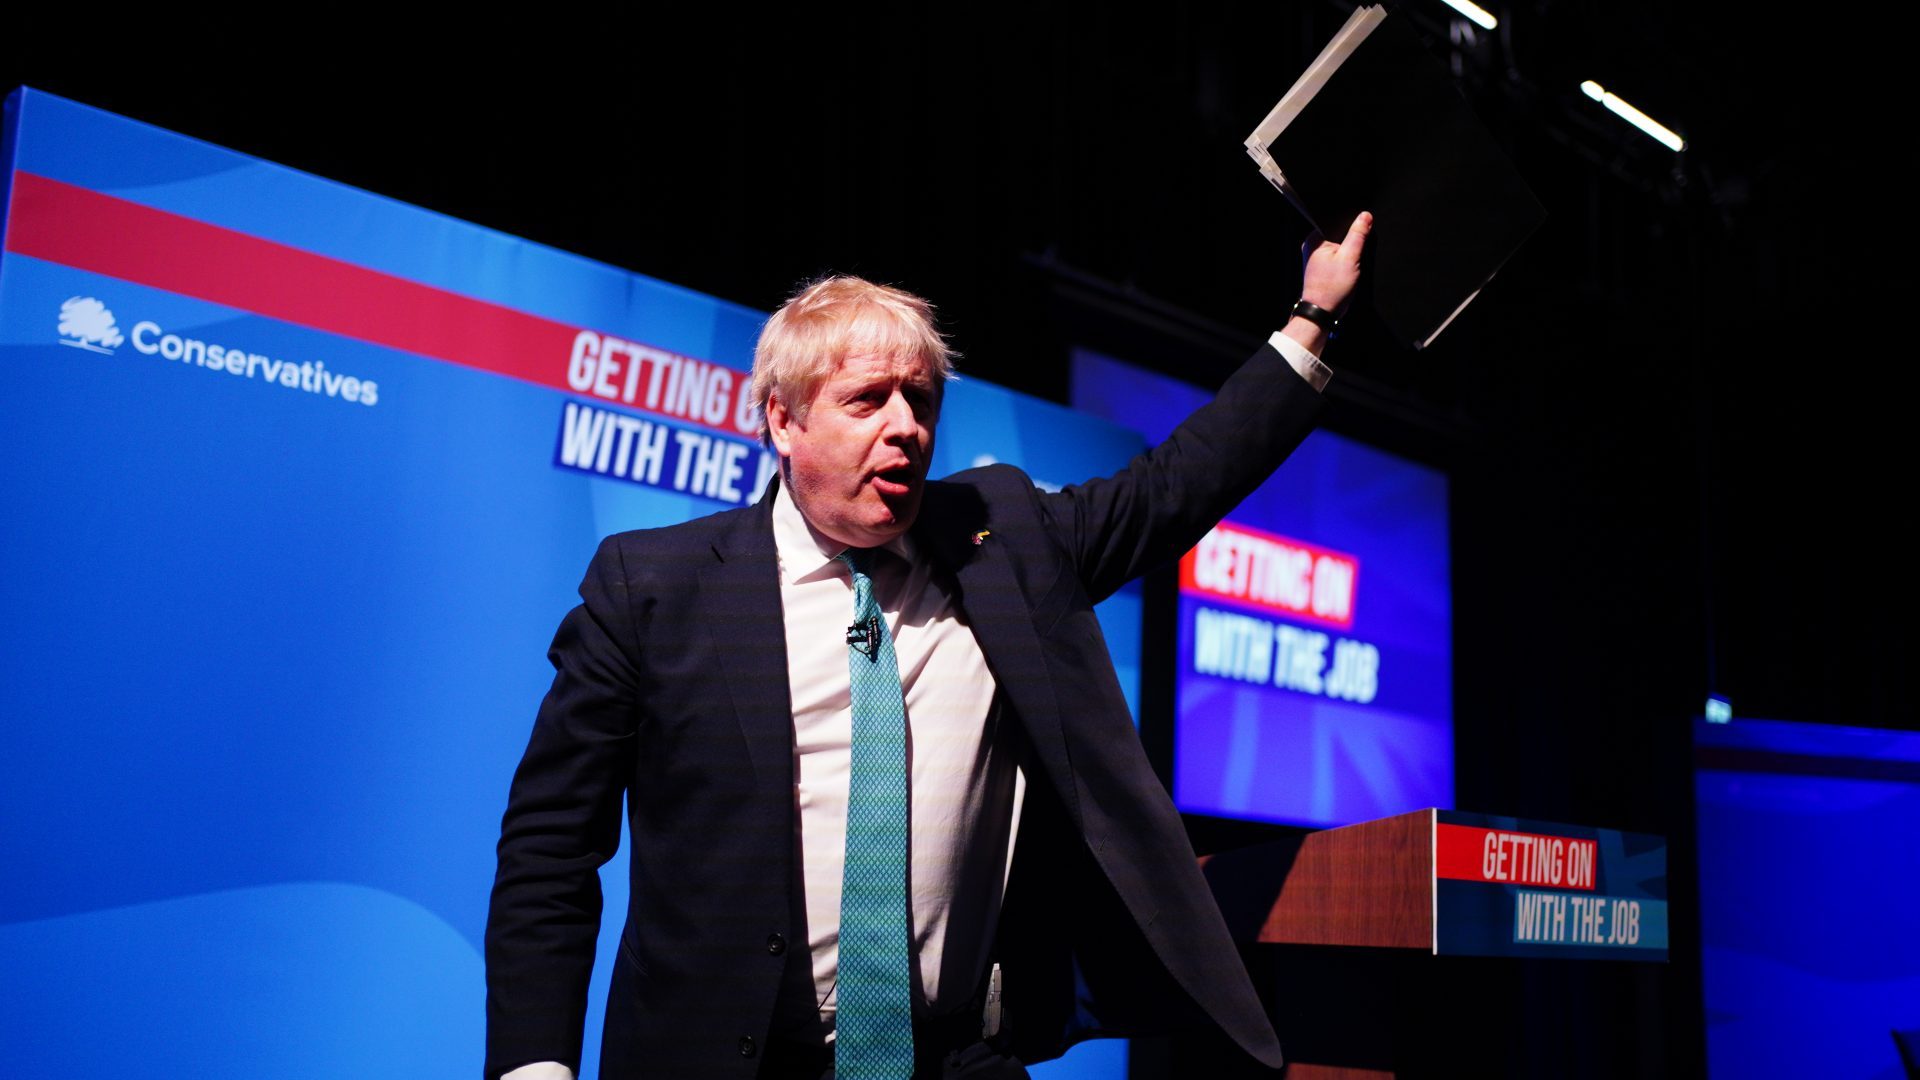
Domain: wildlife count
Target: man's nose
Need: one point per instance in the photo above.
(899, 418)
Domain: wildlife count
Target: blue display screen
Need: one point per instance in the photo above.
(1807, 876)
(1314, 672)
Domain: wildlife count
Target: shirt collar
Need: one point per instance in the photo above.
(804, 553)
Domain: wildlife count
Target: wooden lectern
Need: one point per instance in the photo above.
(1341, 925)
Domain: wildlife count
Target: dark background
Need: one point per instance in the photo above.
(1675, 423)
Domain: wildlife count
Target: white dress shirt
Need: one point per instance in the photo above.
(964, 787)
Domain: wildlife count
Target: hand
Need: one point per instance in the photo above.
(1329, 270)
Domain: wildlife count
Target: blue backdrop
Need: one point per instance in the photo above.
(288, 531)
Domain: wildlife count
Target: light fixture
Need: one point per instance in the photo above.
(1719, 710)
(1618, 106)
(1480, 16)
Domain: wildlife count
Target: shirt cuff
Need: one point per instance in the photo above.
(540, 1070)
(1304, 362)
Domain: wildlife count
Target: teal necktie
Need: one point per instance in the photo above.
(874, 1024)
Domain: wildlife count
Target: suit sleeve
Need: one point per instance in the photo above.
(562, 823)
(1119, 527)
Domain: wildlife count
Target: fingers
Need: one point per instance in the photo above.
(1357, 235)
(1332, 270)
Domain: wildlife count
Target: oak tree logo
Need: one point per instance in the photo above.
(85, 323)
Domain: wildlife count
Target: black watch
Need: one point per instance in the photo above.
(1316, 314)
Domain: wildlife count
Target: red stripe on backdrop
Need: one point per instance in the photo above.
(78, 227)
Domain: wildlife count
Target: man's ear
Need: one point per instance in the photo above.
(780, 424)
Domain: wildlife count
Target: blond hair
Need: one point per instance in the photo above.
(804, 342)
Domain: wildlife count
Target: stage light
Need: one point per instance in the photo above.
(1618, 106)
(1719, 710)
(1481, 16)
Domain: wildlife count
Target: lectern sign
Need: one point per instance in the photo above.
(1508, 887)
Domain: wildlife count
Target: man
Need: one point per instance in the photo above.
(831, 712)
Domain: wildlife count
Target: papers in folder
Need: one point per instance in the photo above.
(1375, 123)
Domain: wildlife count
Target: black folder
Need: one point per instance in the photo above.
(1376, 124)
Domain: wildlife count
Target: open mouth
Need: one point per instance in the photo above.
(895, 481)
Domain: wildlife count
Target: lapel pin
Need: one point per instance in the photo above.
(981, 536)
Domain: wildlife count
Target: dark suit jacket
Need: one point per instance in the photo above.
(671, 689)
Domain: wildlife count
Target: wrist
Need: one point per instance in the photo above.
(1309, 335)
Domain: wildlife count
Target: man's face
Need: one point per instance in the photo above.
(858, 465)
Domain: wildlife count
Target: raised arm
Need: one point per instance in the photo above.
(1118, 527)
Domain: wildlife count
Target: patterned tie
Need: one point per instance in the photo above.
(874, 1026)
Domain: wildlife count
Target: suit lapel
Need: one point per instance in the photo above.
(740, 602)
(998, 611)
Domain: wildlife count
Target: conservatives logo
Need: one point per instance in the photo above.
(85, 323)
